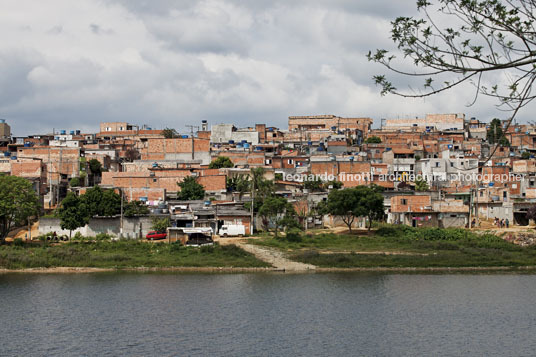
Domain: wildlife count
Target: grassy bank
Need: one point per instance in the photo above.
(123, 254)
(401, 246)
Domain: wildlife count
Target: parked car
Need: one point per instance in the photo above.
(232, 230)
(154, 235)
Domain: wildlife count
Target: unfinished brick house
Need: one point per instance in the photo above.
(313, 122)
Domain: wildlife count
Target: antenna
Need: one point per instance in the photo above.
(192, 135)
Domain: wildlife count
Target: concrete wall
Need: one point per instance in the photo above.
(131, 226)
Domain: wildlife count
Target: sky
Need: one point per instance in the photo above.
(72, 64)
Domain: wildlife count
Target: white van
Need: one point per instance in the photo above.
(229, 230)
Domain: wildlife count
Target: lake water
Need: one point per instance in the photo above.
(348, 314)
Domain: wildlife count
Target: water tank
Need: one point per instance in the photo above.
(71, 132)
(246, 146)
(13, 158)
(244, 141)
(231, 142)
(78, 132)
(333, 128)
(309, 143)
(239, 146)
(27, 145)
(320, 148)
(258, 148)
(7, 154)
(184, 136)
(63, 132)
(2, 121)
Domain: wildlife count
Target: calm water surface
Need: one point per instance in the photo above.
(267, 315)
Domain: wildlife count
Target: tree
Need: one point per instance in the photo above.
(239, 183)
(73, 213)
(169, 133)
(484, 42)
(279, 211)
(132, 154)
(350, 203)
(531, 213)
(18, 201)
(102, 203)
(371, 202)
(344, 204)
(335, 185)
(160, 224)
(135, 208)
(495, 134)
(75, 182)
(373, 140)
(95, 166)
(525, 155)
(315, 184)
(221, 162)
(190, 189)
(421, 185)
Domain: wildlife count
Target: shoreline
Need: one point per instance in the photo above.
(89, 270)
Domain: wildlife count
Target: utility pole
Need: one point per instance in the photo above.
(192, 135)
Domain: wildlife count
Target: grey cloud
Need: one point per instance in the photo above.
(183, 61)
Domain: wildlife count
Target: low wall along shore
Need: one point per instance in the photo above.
(133, 227)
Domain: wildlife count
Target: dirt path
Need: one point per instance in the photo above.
(269, 255)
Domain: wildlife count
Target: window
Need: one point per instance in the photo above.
(451, 164)
(404, 201)
(437, 164)
(290, 161)
(481, 193)
(108, 128)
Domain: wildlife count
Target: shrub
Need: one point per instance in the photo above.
(104, 236)
(293, 235)
(17, 242)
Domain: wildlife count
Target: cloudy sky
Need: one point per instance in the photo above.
(68, 64)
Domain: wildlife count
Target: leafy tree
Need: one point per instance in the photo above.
(169, 133)
(239, 183)
(135, 208)
(371, 202)
(278, 176)
(18, 201)
(75, 182)
(495, 134)
(190, 189)
(160, 224)
(373, 140)
(313, 185)
(350, 203)
(220, 163)
(421, 185)
(483, 42)
(336, 185)
(102, 203)
(417, 157)
(73, 213)
(95, 166)
(279, 211)
(344, 204)
(525, 155)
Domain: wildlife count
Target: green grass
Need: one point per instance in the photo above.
(424, 247)
(123, 254)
